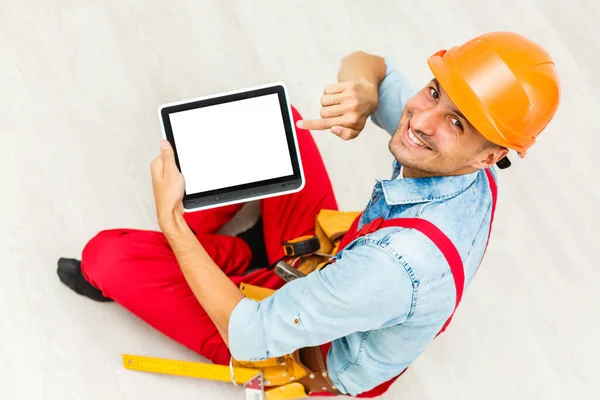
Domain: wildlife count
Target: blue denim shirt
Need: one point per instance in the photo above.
(389, 293)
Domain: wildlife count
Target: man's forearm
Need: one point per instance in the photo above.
(362, 66)
(213, 289)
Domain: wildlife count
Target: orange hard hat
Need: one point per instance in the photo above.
(504, 84)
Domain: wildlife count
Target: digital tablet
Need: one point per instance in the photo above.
(234, 147)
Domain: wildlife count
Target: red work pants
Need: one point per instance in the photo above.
(138, 269)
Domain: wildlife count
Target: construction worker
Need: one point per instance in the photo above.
(403, 265)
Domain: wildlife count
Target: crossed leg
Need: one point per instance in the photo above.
(138, 269)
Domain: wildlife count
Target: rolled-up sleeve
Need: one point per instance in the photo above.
(365, 288)
(394, 93)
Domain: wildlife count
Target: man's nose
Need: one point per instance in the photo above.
(427, 121)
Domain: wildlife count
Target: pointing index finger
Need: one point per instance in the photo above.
(311, 124)
(318, 124)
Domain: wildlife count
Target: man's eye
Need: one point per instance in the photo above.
(434, 93)
(457, 123)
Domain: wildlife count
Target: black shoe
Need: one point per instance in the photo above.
(255, 239)
(69, 272)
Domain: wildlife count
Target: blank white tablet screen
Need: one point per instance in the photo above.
(231, 144)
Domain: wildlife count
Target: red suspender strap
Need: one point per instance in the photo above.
(494, 190)
(351, 234)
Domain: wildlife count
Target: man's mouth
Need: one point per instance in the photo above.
(414, 139)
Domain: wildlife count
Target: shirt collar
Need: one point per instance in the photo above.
(400, 173)
(419, 190)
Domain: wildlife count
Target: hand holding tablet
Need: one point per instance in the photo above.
(234, 147)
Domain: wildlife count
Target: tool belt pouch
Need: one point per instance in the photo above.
(306, 365)
(330, 227)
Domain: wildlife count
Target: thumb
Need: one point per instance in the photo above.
(167, 155)
(166, 151)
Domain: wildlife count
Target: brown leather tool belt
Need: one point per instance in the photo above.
(317, 380)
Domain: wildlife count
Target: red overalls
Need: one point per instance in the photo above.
(138, 269)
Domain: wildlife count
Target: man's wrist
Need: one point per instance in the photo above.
(172, 224)
(373, 89)
(360, 64)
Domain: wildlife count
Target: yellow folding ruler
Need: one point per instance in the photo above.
(250, 378)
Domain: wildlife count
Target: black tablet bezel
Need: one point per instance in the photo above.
(248, 190)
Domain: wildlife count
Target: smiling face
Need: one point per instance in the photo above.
(434, 138)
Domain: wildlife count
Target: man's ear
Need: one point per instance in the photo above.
(489, 157)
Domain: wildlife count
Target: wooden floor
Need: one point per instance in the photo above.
(80, 82)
